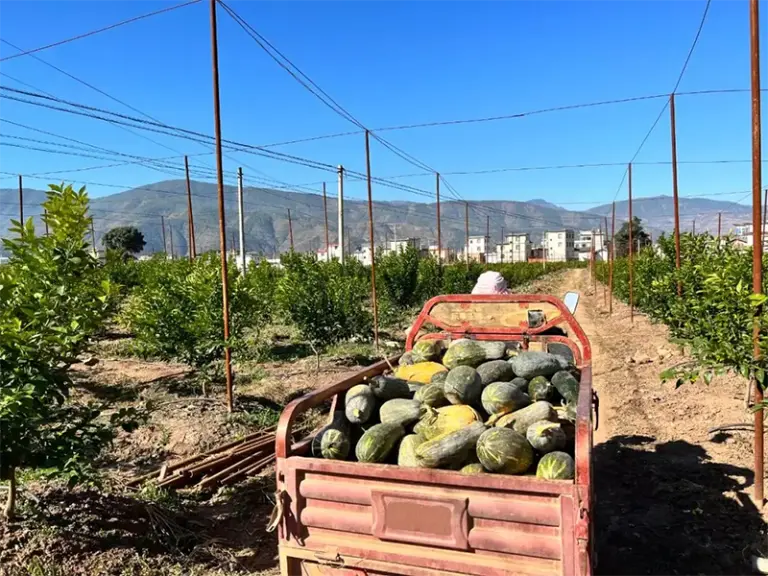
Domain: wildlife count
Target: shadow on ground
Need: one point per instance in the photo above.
(667, 509)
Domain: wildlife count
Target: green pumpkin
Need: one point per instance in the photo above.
(378, 441)
(546, 436)
(556, 466)
(503, 397)
(539, 388)
(504, 451)
(463, 386)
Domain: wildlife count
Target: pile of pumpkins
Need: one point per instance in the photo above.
(467, 405)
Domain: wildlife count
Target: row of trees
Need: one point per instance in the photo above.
(714, 316)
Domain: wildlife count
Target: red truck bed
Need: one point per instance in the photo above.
(353, 519)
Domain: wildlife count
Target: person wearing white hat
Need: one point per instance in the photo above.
(490, 283)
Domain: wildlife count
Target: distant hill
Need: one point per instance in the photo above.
(266, 221)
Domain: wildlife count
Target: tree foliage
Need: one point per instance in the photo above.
(640, 237)
(54, 299)
(124, 239)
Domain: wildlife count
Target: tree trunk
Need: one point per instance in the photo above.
(10, 502)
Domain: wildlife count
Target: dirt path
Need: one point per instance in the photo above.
(670, 497)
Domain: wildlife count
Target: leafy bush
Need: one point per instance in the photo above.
(326, 302)
(176, 311)
(398, 276)
(53, 300)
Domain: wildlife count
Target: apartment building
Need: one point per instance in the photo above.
(559, 245)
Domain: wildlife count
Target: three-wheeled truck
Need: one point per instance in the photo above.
(339, 518)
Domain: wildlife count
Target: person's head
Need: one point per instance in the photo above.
(490, 283)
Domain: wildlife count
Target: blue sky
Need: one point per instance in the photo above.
(394, 63)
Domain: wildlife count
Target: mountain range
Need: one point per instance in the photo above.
(266, 217)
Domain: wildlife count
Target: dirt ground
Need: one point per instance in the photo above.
(671, 498)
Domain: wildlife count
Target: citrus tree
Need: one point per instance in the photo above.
(53, 299)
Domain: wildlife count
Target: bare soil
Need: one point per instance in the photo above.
(671, 498)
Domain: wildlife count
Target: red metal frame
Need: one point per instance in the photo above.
(334, 512)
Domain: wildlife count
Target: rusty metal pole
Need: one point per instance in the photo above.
(765, 209)
(190, 217)
(693, 227)
(21, 202)
(222, 220)
(45, 220)
(371, 239)
(676, 206)
(241, 218)
(290, 228)
(327, 237)
(604, 248)
(629, 262)
(757, 249)
(439, 238)
(170, 237)
(340, 199)
(466, 231)
(611, 258)
(162, 227)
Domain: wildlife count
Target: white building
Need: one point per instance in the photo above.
(559, 245)
(478, 246)
(516, 247)
(333, 252)
(402, 245)
(446, 254)
(744, 235)
(583, 245)
(363, 255)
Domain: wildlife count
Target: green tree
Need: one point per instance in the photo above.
(53, 299)
(399, 276)
(640, 237)
(125, 239)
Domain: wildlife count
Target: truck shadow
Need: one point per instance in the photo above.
(666, 508)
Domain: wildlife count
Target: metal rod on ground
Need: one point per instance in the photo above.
(241, 217)
(675, 204)
(327, 237)
(290, 228)
(341, 212)
(371, 238)
(21, 201)
(190, 217)
(466, 231)
(757, 250)
(222, 220)
(162, 227)
(631, 295)
(439, 238)
(611, 258)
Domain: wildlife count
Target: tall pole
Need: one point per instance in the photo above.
(222, 220)
(719, 222)
(190, 217)
(604, 248)
(611, 258)
(290, 228)
(439, 238)
(21, 202)
(693, 227)
(501, 255)
(341, 212)
(371, 239)
(487, 237)
(241, 217)
(594, 265)
(676, 206)
(170, 237)
(327, 238)
(45, 220)
(162, 227)
(765, 208)
(93, 240)
(757, 250)
(631, 294)
(466, 232)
